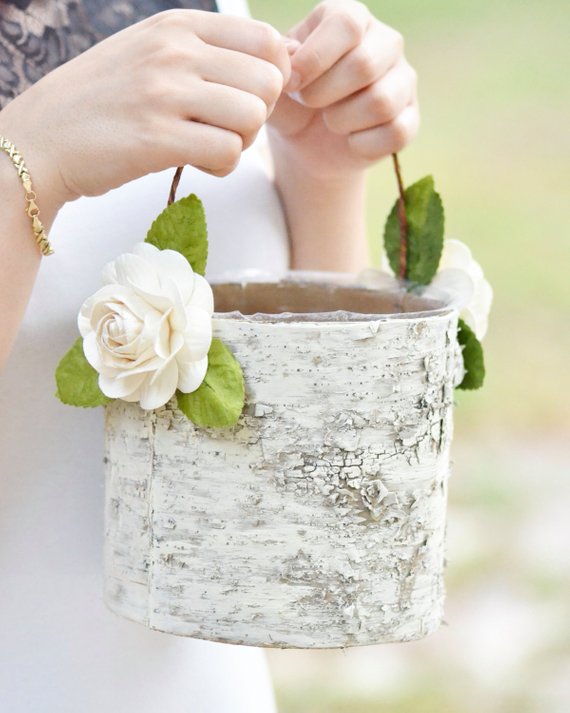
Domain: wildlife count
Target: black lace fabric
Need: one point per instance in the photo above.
(36, 36)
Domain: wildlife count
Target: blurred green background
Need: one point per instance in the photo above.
(493, 82)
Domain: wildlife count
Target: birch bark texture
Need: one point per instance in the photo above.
(318, 521)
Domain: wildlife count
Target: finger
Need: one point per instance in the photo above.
(303, 29)
(379, 51)
(245, 35)
(373, 144)
(226, 108)
(188, 142)
(242, 71)
(375, 105)
(337, 34)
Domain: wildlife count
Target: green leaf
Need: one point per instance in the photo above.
(218, 401)
(473, 360)
(424, 212)
(77, 381)
(182, 227)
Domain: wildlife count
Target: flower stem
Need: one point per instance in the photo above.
(403, 221)
(174, 186)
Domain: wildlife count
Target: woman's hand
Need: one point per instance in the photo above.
(351, 101)
(353, 93)
(182, 87)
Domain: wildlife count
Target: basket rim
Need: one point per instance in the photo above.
(320, 278)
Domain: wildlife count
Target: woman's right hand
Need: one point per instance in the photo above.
(181, 87)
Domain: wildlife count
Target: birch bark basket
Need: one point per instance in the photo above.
(318, 521)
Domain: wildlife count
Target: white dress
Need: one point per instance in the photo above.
(61, 650)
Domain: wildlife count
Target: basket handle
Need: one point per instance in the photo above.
(174, 186)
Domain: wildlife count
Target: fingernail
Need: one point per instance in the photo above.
(294, 82)
(296, 96)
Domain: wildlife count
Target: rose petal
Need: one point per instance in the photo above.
(178, 315)
(145, 250)
(455, 254)
(174, 279)
(109, 274)
(122, 328)
(162, 337)
(91, 350)
(475, 271)
(480, 306)
(84, 318)
(95, 306)
(198, 334)
(116, 388)
(134, 271)
(146, 366)
(161, 387)
(191, 374)
(176, 343)
(157, 300)
(452, 286)
(135, 349)
(173, 267)
(135, 397)
(202, 296)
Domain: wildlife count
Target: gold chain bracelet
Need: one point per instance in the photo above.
(31, 206)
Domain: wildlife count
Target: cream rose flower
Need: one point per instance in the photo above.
(148, 330)
(459, 281)
(461, 276)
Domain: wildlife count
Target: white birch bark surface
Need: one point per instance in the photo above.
(319, 520)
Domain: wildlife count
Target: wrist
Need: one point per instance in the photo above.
(294, 174)
(326, 217)
(308, 159)
(33, 145)
(292, 169)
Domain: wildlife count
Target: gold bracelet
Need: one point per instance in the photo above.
(31, 206)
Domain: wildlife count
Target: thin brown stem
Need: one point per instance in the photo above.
(174, 186)
(404, 228)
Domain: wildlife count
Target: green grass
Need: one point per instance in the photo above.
(494, 135)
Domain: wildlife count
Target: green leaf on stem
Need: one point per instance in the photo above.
(182, 227)
(424, 213)
(77, 381)
(473, 360)
(218, 401)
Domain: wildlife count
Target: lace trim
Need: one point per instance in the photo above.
(38, 36)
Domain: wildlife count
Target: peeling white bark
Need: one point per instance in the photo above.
(319, 520)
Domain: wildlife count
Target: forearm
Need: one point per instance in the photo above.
(20, 256)
(326, 217)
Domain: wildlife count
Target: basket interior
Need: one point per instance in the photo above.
(295, 297)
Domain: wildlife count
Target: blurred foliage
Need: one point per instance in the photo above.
(422, 699)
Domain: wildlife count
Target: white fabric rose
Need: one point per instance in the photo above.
(148, 330)
(462, 276)
(459, 282)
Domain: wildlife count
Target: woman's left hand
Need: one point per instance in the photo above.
(351, 99)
